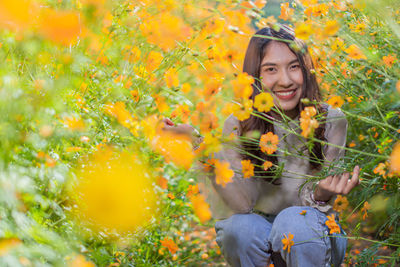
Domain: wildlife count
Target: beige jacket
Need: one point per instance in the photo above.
(244, 195)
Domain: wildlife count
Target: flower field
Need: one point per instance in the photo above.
(89, 178)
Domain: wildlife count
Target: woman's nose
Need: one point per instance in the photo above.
(285, 80)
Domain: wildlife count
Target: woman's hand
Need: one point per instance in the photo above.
(185, 129)
(336, 184)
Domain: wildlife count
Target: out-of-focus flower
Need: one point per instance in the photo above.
(80, 261)
(303, 31)
(303, 212)
(7, 244)
(169, 244)
(395, 159)
(74, 124)
(171, 78)
(62, 27)
(335, 101)
(307, 121)
(267, 164)
(364, 209)
(114, 191)
(200, 207)
(263, 102)
(176, 148)
(287, 242)
(341, 203)
(355, 52)
(269, 143)
(332, 225)
(331, 28)
(242, 85)
(247, 168)
(286, 12)
(17, 14)
(389, 60)
(223, 173)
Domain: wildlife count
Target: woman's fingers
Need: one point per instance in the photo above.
(353, 182)
(168, 122)
(342, 182)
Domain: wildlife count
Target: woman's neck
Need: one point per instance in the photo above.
(292, 114)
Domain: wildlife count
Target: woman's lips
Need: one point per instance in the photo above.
(286, 95)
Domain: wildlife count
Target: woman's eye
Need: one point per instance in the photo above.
(294, 67)
(271, 69)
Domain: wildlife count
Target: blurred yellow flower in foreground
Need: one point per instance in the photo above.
(80, 261)
(395, 159)
(114, 190)
(6, 244)
(200, 207)
(174, 147)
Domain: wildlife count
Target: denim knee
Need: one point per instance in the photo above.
(312, 245)
(243, 239)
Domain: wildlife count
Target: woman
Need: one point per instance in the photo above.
(261, 214)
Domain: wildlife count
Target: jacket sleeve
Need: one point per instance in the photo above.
(241, 194)
(335, 135)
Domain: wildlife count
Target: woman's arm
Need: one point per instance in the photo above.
(326, 190)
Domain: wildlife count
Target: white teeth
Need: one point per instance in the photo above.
(284, 93)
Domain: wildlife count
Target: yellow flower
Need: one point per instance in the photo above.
(267, 164)
(243, 111)
(7, 244)
(335, 101)
(80, 261)
(169, 244)
(174, 147)
(223, 173)
(331, 27)
(341, 203)
(200, 207)
(114, 191)
(171, 78)
(355, 52)
(395, 159)
(286, 11)
(242, 85)
(74, 124)
(303, 31)
(263, 102)
(332, 225)
(269, 143)
(153, 60)
(17, 14)
(287, 242)
(247, 168)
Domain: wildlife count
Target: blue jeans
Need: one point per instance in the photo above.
(249, 239)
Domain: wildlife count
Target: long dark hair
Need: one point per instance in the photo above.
(255, 53)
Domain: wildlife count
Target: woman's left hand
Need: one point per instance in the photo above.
(336, 184)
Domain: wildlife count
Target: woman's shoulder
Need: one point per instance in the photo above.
(333, 112)
(231, 125)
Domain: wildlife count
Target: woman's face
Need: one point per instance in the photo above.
(282, 76)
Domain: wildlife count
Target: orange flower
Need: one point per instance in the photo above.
(355, 52)
(331, 28)
(287, 242)
(247, 168)
(7, 244)
(74, 124)
(335, 101)
(162, 182)
(389, 60)
(200, 207)
(341, 203)
(223, 174)
(364, 209)
(192, 190)
(286, 11)
(395, 159)
(267, 164)
(398, 86)
(303, 212)
(269, 143)
(263, 102)
(307, 123)
(169, 244)
(380, 169)
(332, 225)
(80, 261)
(61, 27)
